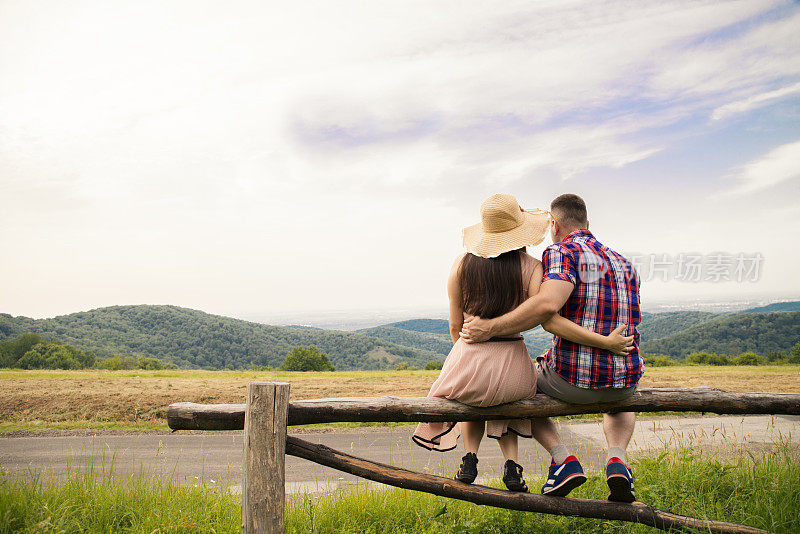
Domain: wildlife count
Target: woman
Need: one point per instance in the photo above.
(492, 278)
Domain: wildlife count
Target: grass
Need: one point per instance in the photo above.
(759, 489)
(137, 400)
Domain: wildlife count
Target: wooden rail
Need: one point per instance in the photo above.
(268, 412)
(190, 416)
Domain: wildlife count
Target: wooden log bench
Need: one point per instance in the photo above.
(268, 413)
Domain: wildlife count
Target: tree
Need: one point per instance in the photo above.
(307, 359)
(775, 355)
(433, 366)
(705, 358)
(748, 358)
(659, 361)
(112, 364)
(794, 354)
(54, 355)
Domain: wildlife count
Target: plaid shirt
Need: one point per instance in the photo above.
(606, 295)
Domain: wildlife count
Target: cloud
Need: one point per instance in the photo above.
(776, 166)
(753, 102)
(286, 136)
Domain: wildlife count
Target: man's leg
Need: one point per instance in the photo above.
(565, 473)
(618, 428)
(545, 432)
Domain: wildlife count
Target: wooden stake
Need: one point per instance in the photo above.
(263, 487)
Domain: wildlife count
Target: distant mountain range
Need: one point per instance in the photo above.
(674, 334)
(776, 307)
(731, 334)
(195, 339)
(434, 334)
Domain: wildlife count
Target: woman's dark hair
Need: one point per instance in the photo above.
(491, 287)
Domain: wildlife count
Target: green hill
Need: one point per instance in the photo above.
(731, 334)
(194, 339)
(675, 334)
(776, 307)
(438, 343)
(659, 325)
(430, 326)
(420, 333)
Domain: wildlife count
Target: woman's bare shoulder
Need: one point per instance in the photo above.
(531, 260)
(456, 268)
(458, 260)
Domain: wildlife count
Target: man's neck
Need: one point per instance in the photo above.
(571, 231)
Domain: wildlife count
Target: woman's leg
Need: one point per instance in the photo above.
(509, 446)
(472, 432)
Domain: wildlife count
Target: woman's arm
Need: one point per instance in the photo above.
(456, 316)
(564, 328)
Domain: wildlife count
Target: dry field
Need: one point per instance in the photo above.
(40, 400)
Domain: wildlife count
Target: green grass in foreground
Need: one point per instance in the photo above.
(758, 489)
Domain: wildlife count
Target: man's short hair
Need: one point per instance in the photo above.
(570, 210)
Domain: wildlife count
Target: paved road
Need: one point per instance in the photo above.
(216, 457)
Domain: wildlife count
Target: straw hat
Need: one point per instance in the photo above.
(505, 226)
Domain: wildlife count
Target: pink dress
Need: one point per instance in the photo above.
(483, 374)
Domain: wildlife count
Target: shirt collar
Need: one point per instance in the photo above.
(577, 233)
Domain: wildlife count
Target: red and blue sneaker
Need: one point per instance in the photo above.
(620, 481)
(563, 478)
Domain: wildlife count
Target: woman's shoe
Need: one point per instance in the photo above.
(512, 477)
(469, 468)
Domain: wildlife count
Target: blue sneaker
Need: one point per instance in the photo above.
(563, 478)
(620, 481)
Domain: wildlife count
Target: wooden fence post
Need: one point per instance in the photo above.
(263, 486)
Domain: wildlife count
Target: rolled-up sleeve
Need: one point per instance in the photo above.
(558, 263)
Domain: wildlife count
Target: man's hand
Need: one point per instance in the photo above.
(619, 344)
(476, 330)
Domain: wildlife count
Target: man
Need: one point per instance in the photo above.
(592, 285)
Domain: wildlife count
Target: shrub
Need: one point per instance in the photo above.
(12, 350)
(433, 366)
(748, 358)
(112, 364)
(706, 358)
(659, 361)
(128, 363)
(698, 358)
(775, 356)
(719, 359)
(307, 359)
(54, 355)
(794, 355)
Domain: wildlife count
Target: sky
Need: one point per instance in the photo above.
(250, 158)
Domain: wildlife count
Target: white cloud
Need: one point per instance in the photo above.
(754, 102)
(187, 128)
(776, 166)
